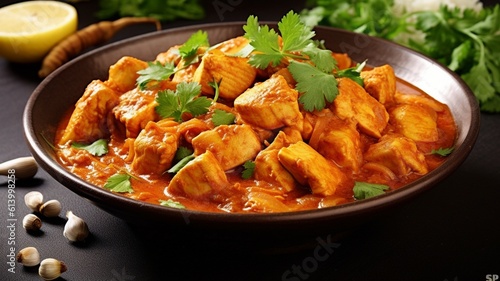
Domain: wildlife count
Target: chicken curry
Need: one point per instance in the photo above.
(220, 134)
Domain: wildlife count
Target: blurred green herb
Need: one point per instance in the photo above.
(248, 169)
(97, 148)
(471, 37)
(164, 10)
(172, 204)
(442, 151)
(119, 182)
(185, 99)
(364, 190)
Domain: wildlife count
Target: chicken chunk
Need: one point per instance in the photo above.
(233, 45)
(309, 167)
(135, 110)
(172, 55)
(343, 60)
(265, 203)
(199, 178)
(380, 83)
(232, 145)
(88, 121)
(415, 122)
(235, 74)
(339, 141)
(154, 149)
(401, 98)
(399, 154)
(268, 167)
(123, 74)
(269, 105)
(354, 102)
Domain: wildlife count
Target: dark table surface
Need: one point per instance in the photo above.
(450, 232)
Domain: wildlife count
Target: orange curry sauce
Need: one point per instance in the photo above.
(150, 188)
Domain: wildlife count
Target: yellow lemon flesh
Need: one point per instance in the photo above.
(28, 30)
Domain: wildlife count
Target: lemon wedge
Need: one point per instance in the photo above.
(28, 30)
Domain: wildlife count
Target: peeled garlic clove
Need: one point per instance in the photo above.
(31, 222)
(33, 200)
(51, 208)
(75, 229)
(28, 256)
(51, 268)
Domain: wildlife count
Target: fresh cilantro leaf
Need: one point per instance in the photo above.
(183, 162)
(248, 169)
(189, 49)
(182, 152)
(172, 204)
(316, 87)
(443, 151)
(364, 190)
(155, 72)
(296, 35)
(352, 73)
(97, 148)
(185, 99)
(216, 86)
(119, 183)
(221, 117)
(321, 58)
(315, 81)
(265, 41)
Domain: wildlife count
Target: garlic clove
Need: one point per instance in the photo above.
(51, 208)
(31, 222)
(75, 229)
(33, 200)
(51, 268)
(28, 256)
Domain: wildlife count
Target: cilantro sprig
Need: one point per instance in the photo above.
(185, 99)
(189, 50)
(248, 169)
(155, 72)
(311, 66)
(364, 190)
(172, 204)
(120, 183)
(443, 151)
(97, 148)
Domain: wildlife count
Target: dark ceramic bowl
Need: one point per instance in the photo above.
(59, 92)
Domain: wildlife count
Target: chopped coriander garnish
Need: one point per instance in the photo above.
(443, 151)
(182, 152)
(172, 204)
(189, 49)
(221, 117)
(249, 168)
(185, 99)
(296, 37)
(183, 162)
(155, 72)
(216, 86)
(353, 73)
(119, 183)
(316, 80)
(97, 148)
(315, 85)
(364, 190)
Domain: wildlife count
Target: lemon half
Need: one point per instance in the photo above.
(28, 30)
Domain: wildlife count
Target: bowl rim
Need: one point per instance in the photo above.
(100, 196)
